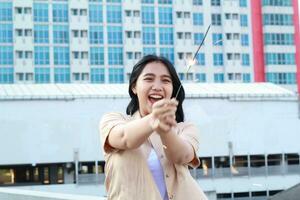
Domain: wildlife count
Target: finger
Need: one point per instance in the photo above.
(159, 103)
(171, 121)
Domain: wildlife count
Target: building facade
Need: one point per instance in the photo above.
(99, 41)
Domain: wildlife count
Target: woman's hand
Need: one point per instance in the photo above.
(164, 115)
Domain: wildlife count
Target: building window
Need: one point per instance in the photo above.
(216, 19)
(149, 51)
(243, 3)
(6, 55)
(97, 56)
(200, 59)
(6, 74)
(62, 75)
(198, 37)
(215, 2)
(41, 34)
(167, 53)
(200, 77)
(114, 34)
(217, 39)
(97, 75)
(165, 15)
(245, 59)
(278, 19)
(115, 55)
(6, 11)
(279, 39)
(61, 56)
(148, 16)
(96, 34)
(6, 33)
(147, 1)
(41, 55)
(244, 20)
(42, 75)
(166, 36)
(218, 59)
(60, 12)
(277, 2)
(281, 78)
(197, 2)
(280, 58)
(219, 78)
(148, 35)
(60, 34)
(244, 40)
(246, 78)
(198, 19)
(116, 75)
(114, 14)
(40, 12)
(95, 13)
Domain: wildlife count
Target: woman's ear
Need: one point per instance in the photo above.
(133, 89)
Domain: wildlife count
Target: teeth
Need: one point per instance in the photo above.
(156, 96)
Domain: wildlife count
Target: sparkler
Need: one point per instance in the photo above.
(193, 61)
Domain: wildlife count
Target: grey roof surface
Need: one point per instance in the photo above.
(292, 193)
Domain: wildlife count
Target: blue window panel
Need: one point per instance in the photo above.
(165, 1)
(147, 1)
(167, 53)
(216, 19)
(96, 34)
(281, 78)
(165, 15)
(245, 59)
(246, 78)
(60, 12)
(198, 19)
(62, 75)
(166, 36)
(6, 75)
(40, 12)
(279, 39)
(97, 56)
(201, 77)
(114, 14)
(6, 55)
(97, 75)
(98, 1)
(200, 59)
(198, 37)
(278, 19)
(149, 51)
(243, 3)
(6, 11)
(280, 58)
(217, 39)
(115, 55)
(41, 33)
(60, 34)
(6, 33)
(219, 78)
(148, 35)
(197, 2)
(114, 35)
(116, 75)
(113, 1)
(244, 40)
(61, 56)
(277, 3)
(41, 55)
(244, 20)
(148, 16)
(95, 13)
(42, 75)
(218, 59)
(215, 2)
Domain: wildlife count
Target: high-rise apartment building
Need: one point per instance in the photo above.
(99, 41)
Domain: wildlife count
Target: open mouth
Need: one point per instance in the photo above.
(154, 98)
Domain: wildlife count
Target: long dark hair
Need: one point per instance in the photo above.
(133, 105)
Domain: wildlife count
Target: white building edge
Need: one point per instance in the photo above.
(249, 134)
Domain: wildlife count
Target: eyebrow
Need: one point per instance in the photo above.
(164, 75)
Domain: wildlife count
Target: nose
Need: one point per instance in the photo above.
(157, 86)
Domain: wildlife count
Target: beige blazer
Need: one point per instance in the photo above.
(127, 176)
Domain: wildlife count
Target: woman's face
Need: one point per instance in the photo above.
(153, 84)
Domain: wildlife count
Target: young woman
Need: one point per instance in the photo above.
(148, 152)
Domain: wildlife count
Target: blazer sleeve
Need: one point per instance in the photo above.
(189, 133)
(107, 123)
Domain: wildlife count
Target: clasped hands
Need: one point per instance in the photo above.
(163, 115)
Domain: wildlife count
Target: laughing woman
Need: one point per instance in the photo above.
(148, 151)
